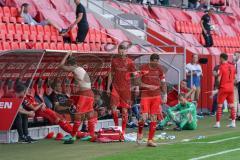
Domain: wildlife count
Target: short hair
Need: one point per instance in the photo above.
(71, 61)
(154, 56)
(224, 56)
(184, 80)
(121, 46)
(20, 87)
(25, 5)
(181, 95)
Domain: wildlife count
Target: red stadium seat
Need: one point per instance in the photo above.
(14, 12)
(20, 20)
(46, 38)
(25, 37)
(74, 47)
(60, 46)
(67, 46)
(12, 20)
(39, 38)
(38, 46)
(1, 12)
(32, 38)
(33, 30)
(46, 46)
(17, 38)
(59, 39)
(5, 19)
(2, 37)
(47, 30)
(9, 37)
(53, 46)
(6, 11)
(22, 45)
(18, 28)
(40, 30)
(6, 46)
(11, 29)
(80, 47)
(26, 29)
(14, 45)
(86, 47)
(177, 26)
(53, 38)
(54, 31)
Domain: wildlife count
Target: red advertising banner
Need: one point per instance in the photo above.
(8, 111)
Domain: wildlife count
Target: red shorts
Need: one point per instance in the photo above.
(48, 114)
(121, 98)
(151, 105)
(85, 102)
(223, 95)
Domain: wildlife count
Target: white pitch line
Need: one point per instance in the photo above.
(216, 154)
(213, 142)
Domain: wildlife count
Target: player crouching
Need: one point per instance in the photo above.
(184, 115)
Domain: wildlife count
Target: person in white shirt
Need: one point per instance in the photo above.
(236, 59)
(194, 74)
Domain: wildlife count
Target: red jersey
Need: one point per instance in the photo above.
(120, 67)
(29, 100)
(154, 76)
(172, 98)
(227, 73)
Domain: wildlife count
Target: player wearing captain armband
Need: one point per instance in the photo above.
(152, 87)
(184, 115)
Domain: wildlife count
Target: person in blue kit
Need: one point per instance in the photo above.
(194, 74)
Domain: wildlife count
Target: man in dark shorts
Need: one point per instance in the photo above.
(81, 21)
(206, 28)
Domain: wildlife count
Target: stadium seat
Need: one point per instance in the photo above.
(9, 37)
(20, 20)
(47, 30)
(22, 45)
(26, 29)
(80, 47)
(6, 11)
(11, 28)
(18, 28)
(74, 47)
(14, 12)
(17, 38)
(86, 47)
(60, 46)
(38, 46)
(25, 37)
(59, 39)
(53, 46)
(6, 46)
(46, 46)
(1, 12)
(39, 38)
(54, 31)
(32, 38)
(46, 38)
(13, 20)
(2, 37)
(40, 30)
(53, 38)
(67, 46)
(5, 19)
(14, 45)
(33, 30)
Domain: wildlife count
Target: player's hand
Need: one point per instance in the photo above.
(43, 108)
(164, 98)
(31, 114)
(194, 88)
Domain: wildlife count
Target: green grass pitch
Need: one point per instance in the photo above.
(219, 144)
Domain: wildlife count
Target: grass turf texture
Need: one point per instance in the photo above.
(176, 150)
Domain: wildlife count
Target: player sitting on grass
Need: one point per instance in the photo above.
(184, 115)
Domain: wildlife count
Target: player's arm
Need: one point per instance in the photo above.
(203, 28)
(190, 108)
(62, 64)
(80, 16)
(23, 111)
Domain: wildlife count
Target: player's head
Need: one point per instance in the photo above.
(122, 49)
(20, 90)
(183, 83)
(25, 7)
(210, 11)
(223, 57)
(76, 2)
(236, 56)
(194, 58)
(154, 58)
(182, 98)
(57, 86)
(71, 61)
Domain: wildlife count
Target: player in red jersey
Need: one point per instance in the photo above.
(121, 67)
(226, 78)
(172, 98)
(85, 99)
(41, 110)
(152, 87)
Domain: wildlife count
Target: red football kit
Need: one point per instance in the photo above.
(151, 99)
(121, 85)
(172, 98)
(227, 73)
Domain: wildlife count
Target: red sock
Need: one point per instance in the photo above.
(75, 128)
(91, 126)
(219, 114)
(124, 121)
(115, 117)
(140, 127)
(233, 113)
(65, 126)
(152, 130)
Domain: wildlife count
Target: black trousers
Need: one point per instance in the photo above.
(208, 39)
(238, 87)
(82, 34)
(21, 124)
